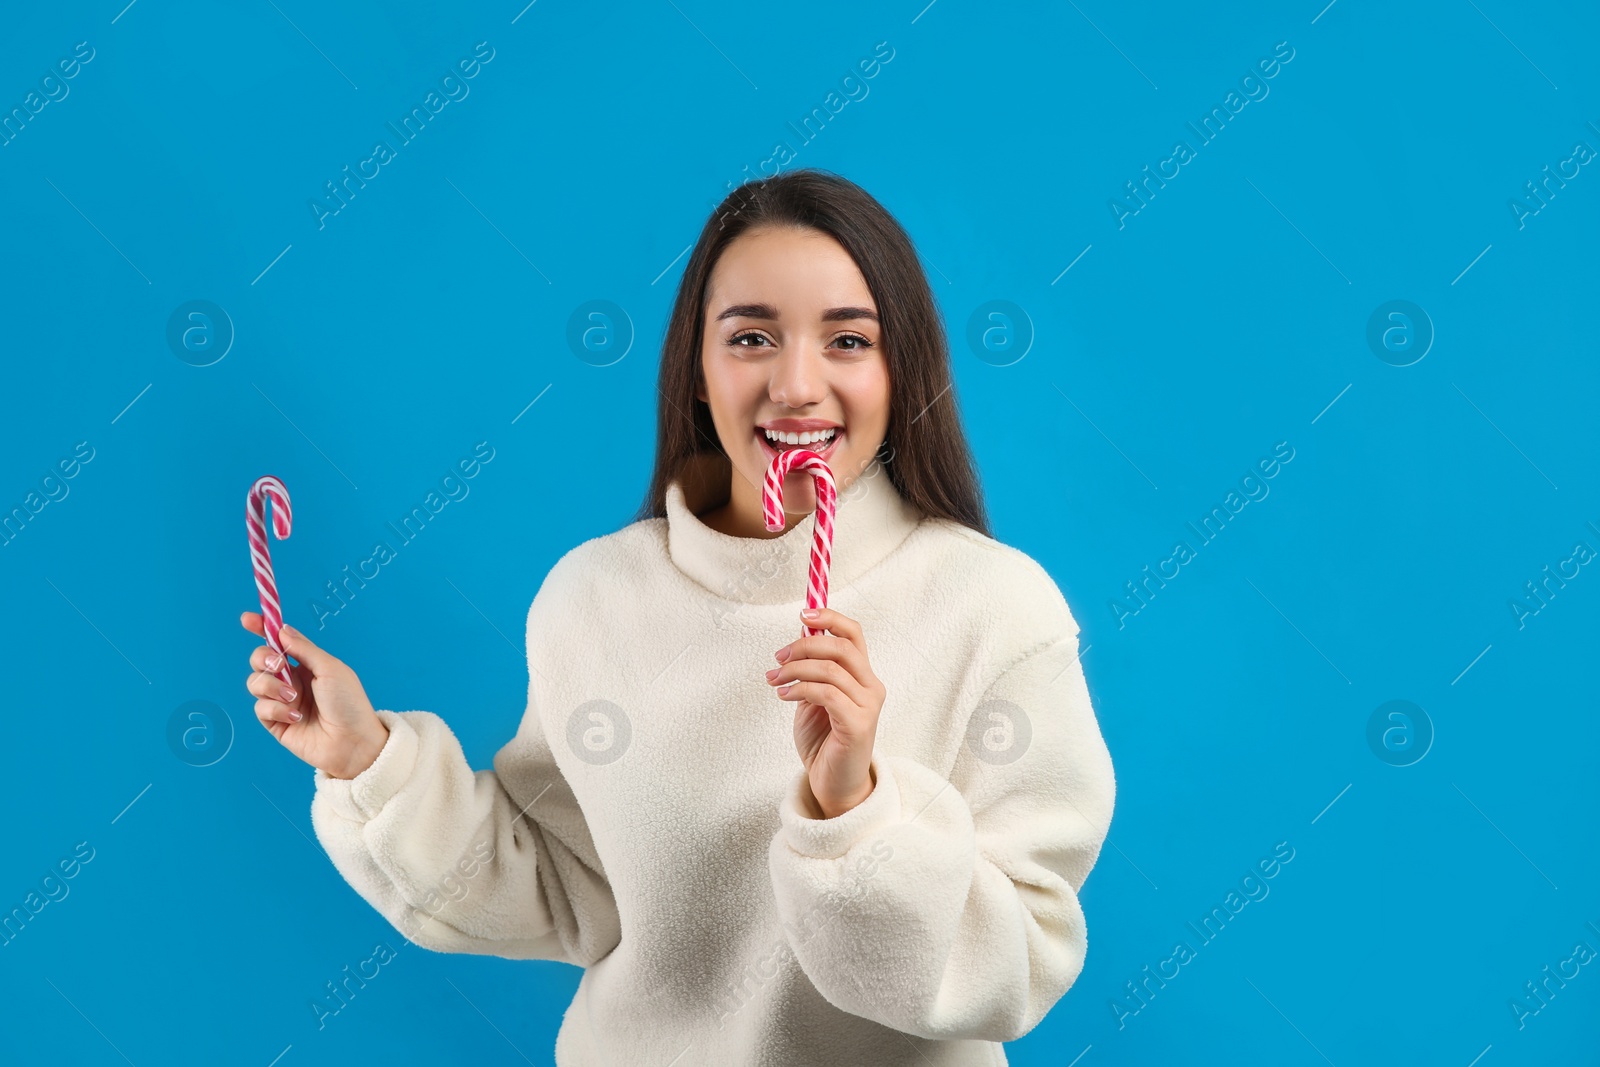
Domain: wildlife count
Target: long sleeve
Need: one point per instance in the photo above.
(949, 909)
(491, 862)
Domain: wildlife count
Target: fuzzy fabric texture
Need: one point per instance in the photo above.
(646, 822)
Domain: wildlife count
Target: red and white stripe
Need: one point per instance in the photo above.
(827, 499)
(267, 487)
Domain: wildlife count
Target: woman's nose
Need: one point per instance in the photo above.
(798, 379)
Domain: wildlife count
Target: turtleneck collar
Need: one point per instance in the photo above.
(870, 521)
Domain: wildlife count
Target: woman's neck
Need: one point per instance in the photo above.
(742, 514)
(726, 502)
(741, 561)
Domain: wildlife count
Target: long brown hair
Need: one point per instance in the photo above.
(929, 463)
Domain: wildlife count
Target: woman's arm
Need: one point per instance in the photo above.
(949, 909)
(492, 862)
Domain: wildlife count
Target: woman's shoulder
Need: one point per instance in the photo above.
(609, 564)
(996, 580)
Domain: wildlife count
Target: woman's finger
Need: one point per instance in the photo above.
(265, 658)
(842, 625)
(303, 649)
(837, 649)
(270, 712)
(820, 670)
(253, 621)
(270, 687)
(823, 694)
(845, 717)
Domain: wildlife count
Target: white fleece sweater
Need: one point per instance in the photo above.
(644, 823)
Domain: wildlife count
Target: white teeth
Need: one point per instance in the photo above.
(808, 438)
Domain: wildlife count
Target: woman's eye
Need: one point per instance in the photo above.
(847, 342)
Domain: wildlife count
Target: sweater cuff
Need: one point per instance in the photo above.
(359, 799)
(832, 838)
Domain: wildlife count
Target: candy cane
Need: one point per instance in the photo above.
(827, 498)
(255, 505)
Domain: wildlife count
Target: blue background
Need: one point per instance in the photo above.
(1229, 314)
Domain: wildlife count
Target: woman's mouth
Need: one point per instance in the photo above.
(822, 442)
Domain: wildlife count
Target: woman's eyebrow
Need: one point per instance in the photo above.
(749, 311)
(767, 311)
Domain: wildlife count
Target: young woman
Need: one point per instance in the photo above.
(889, 874)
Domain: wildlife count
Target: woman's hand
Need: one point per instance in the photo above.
(326, 719)
(837, 718)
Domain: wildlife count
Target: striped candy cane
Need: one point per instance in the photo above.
(267, 487)
(827, 498)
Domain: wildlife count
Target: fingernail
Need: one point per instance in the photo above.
(783, 690)
(287, 691)
(772, 675)
(809, 613)
(295, 715)
(286, 630)
(782, 655)
(274, 661)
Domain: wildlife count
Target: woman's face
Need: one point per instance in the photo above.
(792, 343)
